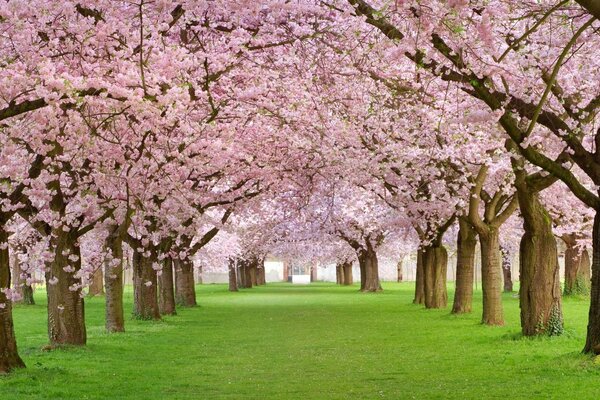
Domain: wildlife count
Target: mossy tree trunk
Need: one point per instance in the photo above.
(166, 291)
(185, 287)
(9, 355)
(539, 289)
(465, 268)
(145, 296)
(577, 268)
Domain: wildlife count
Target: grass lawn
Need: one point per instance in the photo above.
(306, 342)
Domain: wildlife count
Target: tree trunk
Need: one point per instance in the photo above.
(9, 356)
(286, 271)
(435, 267)
(577, 269)
(166, 293)
(97, 285)
(419, 280)
(260, 274)
(247, 268)
(367, 259)
(592, 341)
(491, 277)
(313, 273)
(539, 292)
(19, 278)
(339, 274)
(145, 299)
(66, 317)
(399, 271)
(253, 273)
(185, 288)
(113, 282)
(347, 274)
(506, 270)
(465, 267)
(233, 284)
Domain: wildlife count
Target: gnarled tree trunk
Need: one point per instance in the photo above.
(185, 289)
(369, 268)
(166, 292)
(435, 266)
(145, 299)
(66, 317)
(9, 356)
(96, 287)
(491, 277)
(539, 292)
(465, 267)
(113, 282)
(419, 279)
(577, 268)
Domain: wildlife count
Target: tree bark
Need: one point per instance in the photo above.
(313, 273)
(577, 268)
(145, 298)
(253, 273)
(96, 287)
(19, 278)
(66, 317)
(369, 267)
(491, 277)
(286, 271)
(247, 275)
(399, 271)
(113, 282)
(435, 267)
(185, 288)
(233, 286)
(339, 274)
(539, 292)
(465, 267)
(592, 341)
(261, 278)
(166, 292)
(9, 356)
(506, 271)
(419, 280)
(347, 274)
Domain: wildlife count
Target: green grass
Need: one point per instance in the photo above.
(309, 342)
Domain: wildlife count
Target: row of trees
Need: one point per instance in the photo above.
(320, 130)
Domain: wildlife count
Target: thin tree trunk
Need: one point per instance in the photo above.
(96, 287)
(347, 274)
(399, 271)
(113, 282)
(506, 270)
(465, 267)
(539, 290)
(9, 356)
(491, 278)
(19, 278)
(233, 284)
(286, 271)
(592, 341)
(419, 280)
(185, 288)
(370, 265)
(577, 268)
(435, 266)
(145, 298)
(166, 292)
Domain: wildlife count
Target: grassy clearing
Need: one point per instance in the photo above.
(309, 342)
